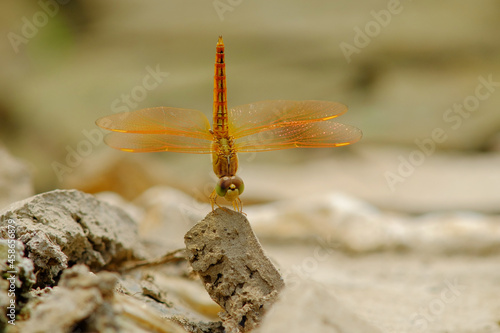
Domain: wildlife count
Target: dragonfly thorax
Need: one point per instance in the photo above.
(225, 146)
(224, 158)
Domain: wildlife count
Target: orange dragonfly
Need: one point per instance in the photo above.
(260, 126)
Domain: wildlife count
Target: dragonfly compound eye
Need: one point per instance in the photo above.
(230, 187)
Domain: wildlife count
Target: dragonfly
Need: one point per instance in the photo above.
(255, 127)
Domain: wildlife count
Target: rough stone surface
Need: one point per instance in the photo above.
(82, 301)
(237, 274)
(85, 302)
(348, 267)
(62, 228)
(17, 279)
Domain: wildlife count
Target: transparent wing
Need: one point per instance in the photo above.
(160, 120)
(252, 118)
(158, 129)
(318, 134)
(143, 143)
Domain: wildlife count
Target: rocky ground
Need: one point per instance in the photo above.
(88, 263)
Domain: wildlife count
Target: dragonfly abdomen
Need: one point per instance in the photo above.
(220, 93)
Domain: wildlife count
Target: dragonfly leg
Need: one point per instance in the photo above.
(213, 200)
(238, 205)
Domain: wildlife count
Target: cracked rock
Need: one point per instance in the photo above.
(62, 228)
(16, 280)
(87, 302)
(237, 274)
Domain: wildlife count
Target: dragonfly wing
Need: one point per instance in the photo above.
(253, 118)
(160, 120)
(318, 134)
(143, 143)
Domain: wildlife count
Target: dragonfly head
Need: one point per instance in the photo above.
(230, 187)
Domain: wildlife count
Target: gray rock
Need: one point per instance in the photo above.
(237, 274)
(87, 302)
(16, 282)
(62, 228)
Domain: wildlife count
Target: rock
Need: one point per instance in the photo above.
(174, 297)
(164, 215)
(62, 228)
(239, 277)
(310, 307)
(17, 279)
(85, 302)
(82, 301)
(15, 179)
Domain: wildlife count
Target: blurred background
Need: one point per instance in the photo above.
(421, 79)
